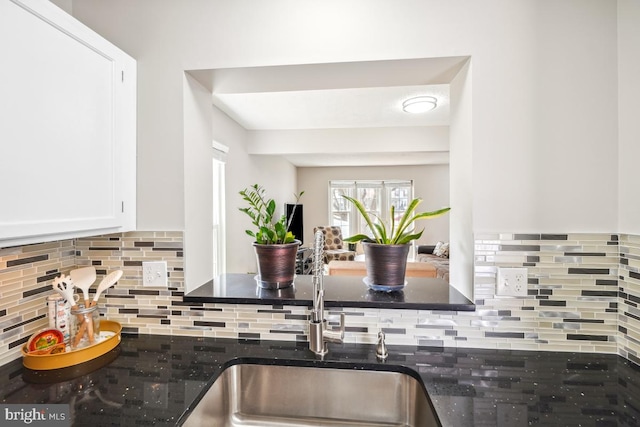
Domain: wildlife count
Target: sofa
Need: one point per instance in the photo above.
(441, 263)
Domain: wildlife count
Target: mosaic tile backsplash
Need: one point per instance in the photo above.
(583, 295)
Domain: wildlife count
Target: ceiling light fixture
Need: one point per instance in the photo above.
(419, 104)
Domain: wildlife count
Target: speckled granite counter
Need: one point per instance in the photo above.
(340, 291)
(154, 379)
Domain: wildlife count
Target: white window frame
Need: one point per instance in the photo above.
(356, 224)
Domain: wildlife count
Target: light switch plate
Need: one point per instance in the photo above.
(512, 281)
(154, 273)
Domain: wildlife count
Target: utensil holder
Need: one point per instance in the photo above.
(85, 326)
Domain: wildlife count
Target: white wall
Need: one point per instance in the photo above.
(198, 193)
(278, 177)
(381, 140)
(629, 113)
(532, 114)
(204, 123)
(275, 174)
(431, 183)
(461, 182)
(542, 166)
(66, 5)
(543, 154)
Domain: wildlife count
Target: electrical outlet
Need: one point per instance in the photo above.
(154, 273)
(512, 281)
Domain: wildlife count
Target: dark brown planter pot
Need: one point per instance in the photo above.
(276, 264)
(386, 264)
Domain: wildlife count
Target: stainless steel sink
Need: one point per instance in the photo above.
(289, 396)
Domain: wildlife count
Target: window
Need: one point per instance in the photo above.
(218, 223)
(377, 198)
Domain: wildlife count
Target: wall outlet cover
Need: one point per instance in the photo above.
(512, 281)
(154, 273)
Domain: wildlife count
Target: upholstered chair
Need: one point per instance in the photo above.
(334, 247)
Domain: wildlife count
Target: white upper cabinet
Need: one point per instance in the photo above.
(67, 128)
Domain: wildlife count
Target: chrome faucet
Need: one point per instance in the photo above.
(319, 335)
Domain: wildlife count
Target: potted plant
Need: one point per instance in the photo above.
(387, 250)
(275, 246)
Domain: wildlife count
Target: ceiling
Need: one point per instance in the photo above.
(354, 98)
(333, 108)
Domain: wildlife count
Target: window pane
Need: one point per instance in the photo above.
(341, 219)
(370, 198)
(372, 202)
(341, 209)
(399, 197)
(339, 203)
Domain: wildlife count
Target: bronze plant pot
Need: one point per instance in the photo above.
(386, 265)
(276, 264)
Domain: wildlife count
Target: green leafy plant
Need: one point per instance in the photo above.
(395, 234)
(270, 230)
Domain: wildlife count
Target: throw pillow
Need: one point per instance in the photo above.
(445, 250)
(442, 250)
(436, 250)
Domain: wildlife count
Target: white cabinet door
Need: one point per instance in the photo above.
(67, 127)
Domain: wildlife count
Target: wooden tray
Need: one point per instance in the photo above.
(46, 362)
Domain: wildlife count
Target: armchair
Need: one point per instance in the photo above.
(334, 245)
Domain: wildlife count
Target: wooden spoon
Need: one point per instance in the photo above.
(85, 326)
(83, 278)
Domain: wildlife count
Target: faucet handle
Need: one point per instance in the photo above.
(335, 335)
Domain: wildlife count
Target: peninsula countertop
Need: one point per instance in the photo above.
(340, 291)
(155, 379)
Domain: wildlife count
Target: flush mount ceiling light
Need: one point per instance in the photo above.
(419, 104)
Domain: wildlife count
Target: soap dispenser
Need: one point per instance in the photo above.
(381, 348)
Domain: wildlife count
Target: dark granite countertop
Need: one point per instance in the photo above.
(340, 291)
(153, 380)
